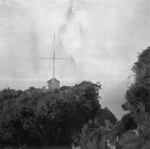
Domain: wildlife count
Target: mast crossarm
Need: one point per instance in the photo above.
(51, 58)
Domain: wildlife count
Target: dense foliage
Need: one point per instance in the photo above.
(95, 133)
(138, 94)
(133, 130)
(138, 103)
(43, 117)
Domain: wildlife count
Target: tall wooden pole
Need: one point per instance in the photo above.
(54, 58)
(54, 62)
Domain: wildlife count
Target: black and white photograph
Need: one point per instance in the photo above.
(74, 74)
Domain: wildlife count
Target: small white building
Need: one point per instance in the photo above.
(53, 84)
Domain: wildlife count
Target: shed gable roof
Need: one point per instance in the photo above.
(51, 80)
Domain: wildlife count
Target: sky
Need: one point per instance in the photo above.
(99, 39)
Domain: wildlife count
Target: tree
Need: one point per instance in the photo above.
(95, 133)
(46, 117)
(138, 94)
(138, 97)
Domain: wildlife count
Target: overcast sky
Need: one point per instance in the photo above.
(99, 38)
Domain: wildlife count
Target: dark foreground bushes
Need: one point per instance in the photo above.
(41, 117)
